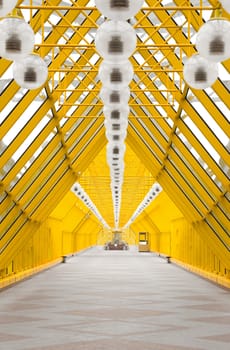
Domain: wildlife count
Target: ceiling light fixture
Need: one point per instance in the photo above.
(16, 39)
(31, 72)
(115, 40)
(199, 73)
(111, 97)
(212, 40)
(119, 9)
(150, 196)
(116, 76)
(83, 196)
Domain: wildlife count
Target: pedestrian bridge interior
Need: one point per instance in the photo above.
(54, 137)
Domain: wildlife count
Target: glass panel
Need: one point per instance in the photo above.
(193, 172)
(81, 136)
(225, 78)
(202, 139)
(182, 174)
(25, 117)
(5, 80)
(182, 191)
(29, 140)
(32, 159)
(201, 161)
(41, 186)
(38, 172)
(145, 143)
(207, 117)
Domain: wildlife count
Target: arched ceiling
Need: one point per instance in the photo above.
(54, 136)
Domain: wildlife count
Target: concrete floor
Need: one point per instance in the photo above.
(115, 301)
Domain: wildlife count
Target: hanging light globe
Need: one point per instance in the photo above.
(119, 9)
(226, 5)
(115, 182)
(30, 73)
(120, 180)
(115, 151)
(115, 40)
(75, 188)
(116, 138)
(111, 157)
(115, 76)
(116, 171)
(116, 177)
(110, 162)
(7, 6)
(16, 39)
(115, 97)
(117, 113)
(116, 165)
(200, 73)
(116, 127)
(119, 167)
(212, 40)
(114, 187)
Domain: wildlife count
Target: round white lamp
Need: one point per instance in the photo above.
(199, 73)
(119, 178)
(115, 151)
(112, 164)
(115, 97)
(115, 76)
(212, 40)
(7, 6)
(226, 5)
(116, 182)
(115, 164)
(30, 73)
(116, 171)
(115, 40)
(119, 9)
(119, 168)
(16, 39)
(116, 138)
(114, 187)
(116, 113)
(116, 127)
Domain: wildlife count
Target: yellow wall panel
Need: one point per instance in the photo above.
(47, 244)
(172, 235)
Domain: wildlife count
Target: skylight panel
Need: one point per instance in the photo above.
(28, 141)
(209, 120)
(22, 120)
(199, 135)
(94, 59)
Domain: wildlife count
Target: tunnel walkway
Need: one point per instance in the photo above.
(115, 300)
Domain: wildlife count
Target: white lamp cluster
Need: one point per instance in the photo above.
(115, 41)
(16, 44)
(150, 196)
(213, 46)
(82, 195)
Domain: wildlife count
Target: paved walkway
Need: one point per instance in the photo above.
(102, 300)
